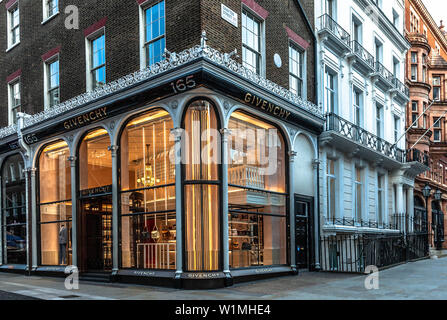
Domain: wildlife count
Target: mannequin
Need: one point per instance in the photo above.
(63, 235)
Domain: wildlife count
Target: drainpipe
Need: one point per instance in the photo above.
(29, 195)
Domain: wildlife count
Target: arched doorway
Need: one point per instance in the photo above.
(95, 202)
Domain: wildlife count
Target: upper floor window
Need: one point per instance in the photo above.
(379, 120)
(154, 30)
(437, 88)
(396, 19)
(396, 67)
(330, 91)
(330, 8)
(357, 108)
(380, 198)
(379, 51)
(13, 25)
(414, 23)
(356, 29)
(437, 129)
(51, 7)
(396, 128)
(358, 191)
(331, 189)
(251, 42)
(97, 61)
(52, 83)
(296, 66)
(14, 101)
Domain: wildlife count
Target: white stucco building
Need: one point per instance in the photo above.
(366, 176)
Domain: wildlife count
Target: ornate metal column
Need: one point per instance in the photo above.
(177, 134)
(115, 210)
(33, 218)
(74, 211)
(29, 244)
(225, 246)
(292, 156)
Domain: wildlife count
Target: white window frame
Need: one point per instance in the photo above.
(379, 120)
(303, 57)
(89, 56)
(330, 177)
(381, 196)
(11, 107)
(142, 24)
(261, 52)
(47, 80)
(45, 10)
(358, 216)
(327, 90)
(358, 107)
(10, 13)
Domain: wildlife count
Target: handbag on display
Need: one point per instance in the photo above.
(155, 234)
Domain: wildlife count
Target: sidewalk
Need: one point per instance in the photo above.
(425, 279)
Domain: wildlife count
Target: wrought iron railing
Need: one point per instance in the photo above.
(363, 137)
(353, 253)
(350, 222)
(325, 22)
(362, 53)
(415, 155)
(384, 72)
(401, 87)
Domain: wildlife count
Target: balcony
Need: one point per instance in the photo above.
(362, 60)
(337, 39)
(384, 77)
(358, 142)
(418, 39)
(401, 90)
(416, 155)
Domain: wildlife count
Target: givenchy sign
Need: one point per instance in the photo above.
(267, 106)
(86, 118)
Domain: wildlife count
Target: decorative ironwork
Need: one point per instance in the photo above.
(172, 61)
(415, 155)
(384, 72)
(362, 53)
(325, 22)
(353, 253)
(402, 88)
(363, 137)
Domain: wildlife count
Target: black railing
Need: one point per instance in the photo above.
(363, 137)
(384, 72)
(416, 155)
(402, 88)
(353, 253)
(349, 222)
(362, 53)
(326, 22)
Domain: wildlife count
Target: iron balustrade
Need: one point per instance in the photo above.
(415, 155)
(362, 53)
(350, 222)
(326, 22)
(353, 253)
(361, 136)
(384, 72)
(402, 88)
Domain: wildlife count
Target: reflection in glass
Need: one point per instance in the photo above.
(14, 210)
(148, 224)
(202, 201)
(55, 205)
(257, 198)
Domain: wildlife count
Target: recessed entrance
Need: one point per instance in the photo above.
(95, 204)
(96, 234)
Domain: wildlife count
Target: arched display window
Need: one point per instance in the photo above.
(148, 220)
(95, 214)
(257, 197)
(55, 205)
(202, 204)
(14, 210)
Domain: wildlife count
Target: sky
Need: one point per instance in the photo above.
(437, 9)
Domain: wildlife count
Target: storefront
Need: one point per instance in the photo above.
(196, 173)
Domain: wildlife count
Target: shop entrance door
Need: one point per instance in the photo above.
(96, 234)
(303, 206)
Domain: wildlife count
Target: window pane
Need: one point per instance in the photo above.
(56, 239)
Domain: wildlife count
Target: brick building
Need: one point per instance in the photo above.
(94, 114)
(426, 74)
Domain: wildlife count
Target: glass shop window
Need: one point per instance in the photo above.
(257, 193)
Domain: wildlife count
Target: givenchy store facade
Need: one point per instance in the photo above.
(193, 173)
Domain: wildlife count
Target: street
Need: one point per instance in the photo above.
(426, 280)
